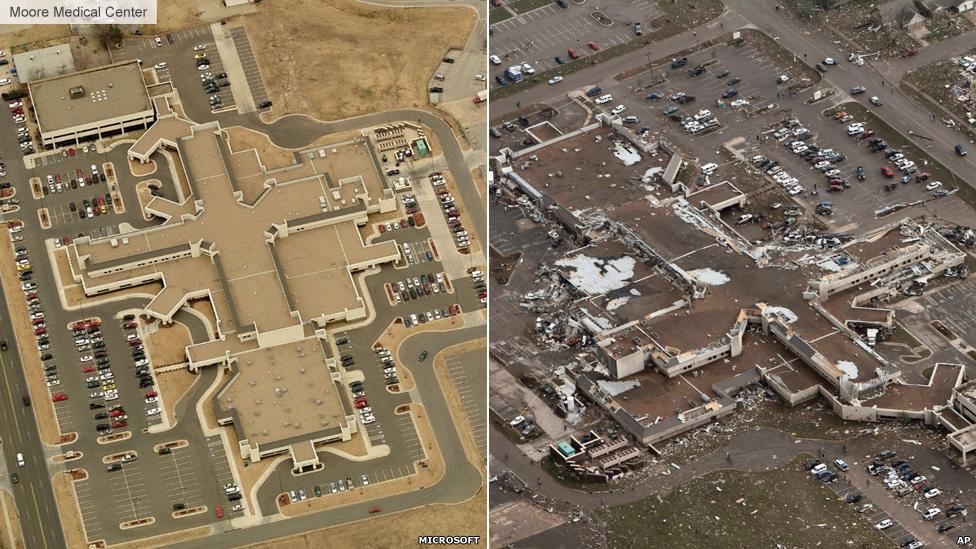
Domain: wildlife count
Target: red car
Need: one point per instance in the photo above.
(496, 3)
(374, 510)
(382, 227)
(135, 342)
(117, 413)
(40, 331)
(129, 325)
(119, 424)
(71, 152)
(88, 369)
(361, 403)
(572, 53)
(887, 171)
(151, 394)
(37, 321)
(593, 46)
(219, 511)
(59, 397)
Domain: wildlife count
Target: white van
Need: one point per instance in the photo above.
(20, 460)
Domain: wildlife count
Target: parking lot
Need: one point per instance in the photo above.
(756, 82)
(177, 52)
(539, 36)
(250, 65)
(473, 400)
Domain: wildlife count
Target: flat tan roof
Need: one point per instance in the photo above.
(283, 392)
(110, 92)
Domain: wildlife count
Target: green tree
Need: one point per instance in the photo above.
(111, 36)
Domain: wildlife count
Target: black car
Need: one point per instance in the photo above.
(722, 73)
(101, 415)
(447, 60)
(96, 406)
(220, 75)
(27, 400)
(854, 498)
(676, 63)
(960, 151)
(860, 173)
(730, 93)
(945, 527)
(696, 71)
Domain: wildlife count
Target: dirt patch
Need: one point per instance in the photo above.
(166, 540)
(204, 307)
(14, 537)
(242, 139)
(171, 388)
(467, 518)
(69, 510)
(26, 37)
(174, 15)
(167, 345)
(378, 57)
(426, 476)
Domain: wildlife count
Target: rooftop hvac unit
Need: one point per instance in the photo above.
(76, 92)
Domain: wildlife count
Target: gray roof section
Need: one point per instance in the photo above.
(44, 63)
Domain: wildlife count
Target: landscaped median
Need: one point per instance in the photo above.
(676, 18)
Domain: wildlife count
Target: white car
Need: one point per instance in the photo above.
(884, 524)
(933, 493)
(203, 68)
(152, 411)
(517, 421)
(933, 185)
(158, 41)
(528, 69)
(86, 358)
(96, 394)
(709, 169)
(4, 81)
(555, 80)
(830, 61)
(606, 98)
(151, 400)
(931, 513)
(495, 60)
(201, 47)
(618, 109)
(160, 65)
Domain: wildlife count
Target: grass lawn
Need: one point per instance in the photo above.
(781, 508)
(523, 6)
(498, 15)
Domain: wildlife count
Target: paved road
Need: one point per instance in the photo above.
(34, 495)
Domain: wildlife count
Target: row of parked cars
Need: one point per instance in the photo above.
(38, 322)
(901, 479)
(20, 118)
(894, 156)
(60, 182)
(415, 319)
(417, 287)
(451, 213)
(478, 280)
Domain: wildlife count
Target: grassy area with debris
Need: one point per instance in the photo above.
(730, 509)
(850, 26)
(936, 82)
